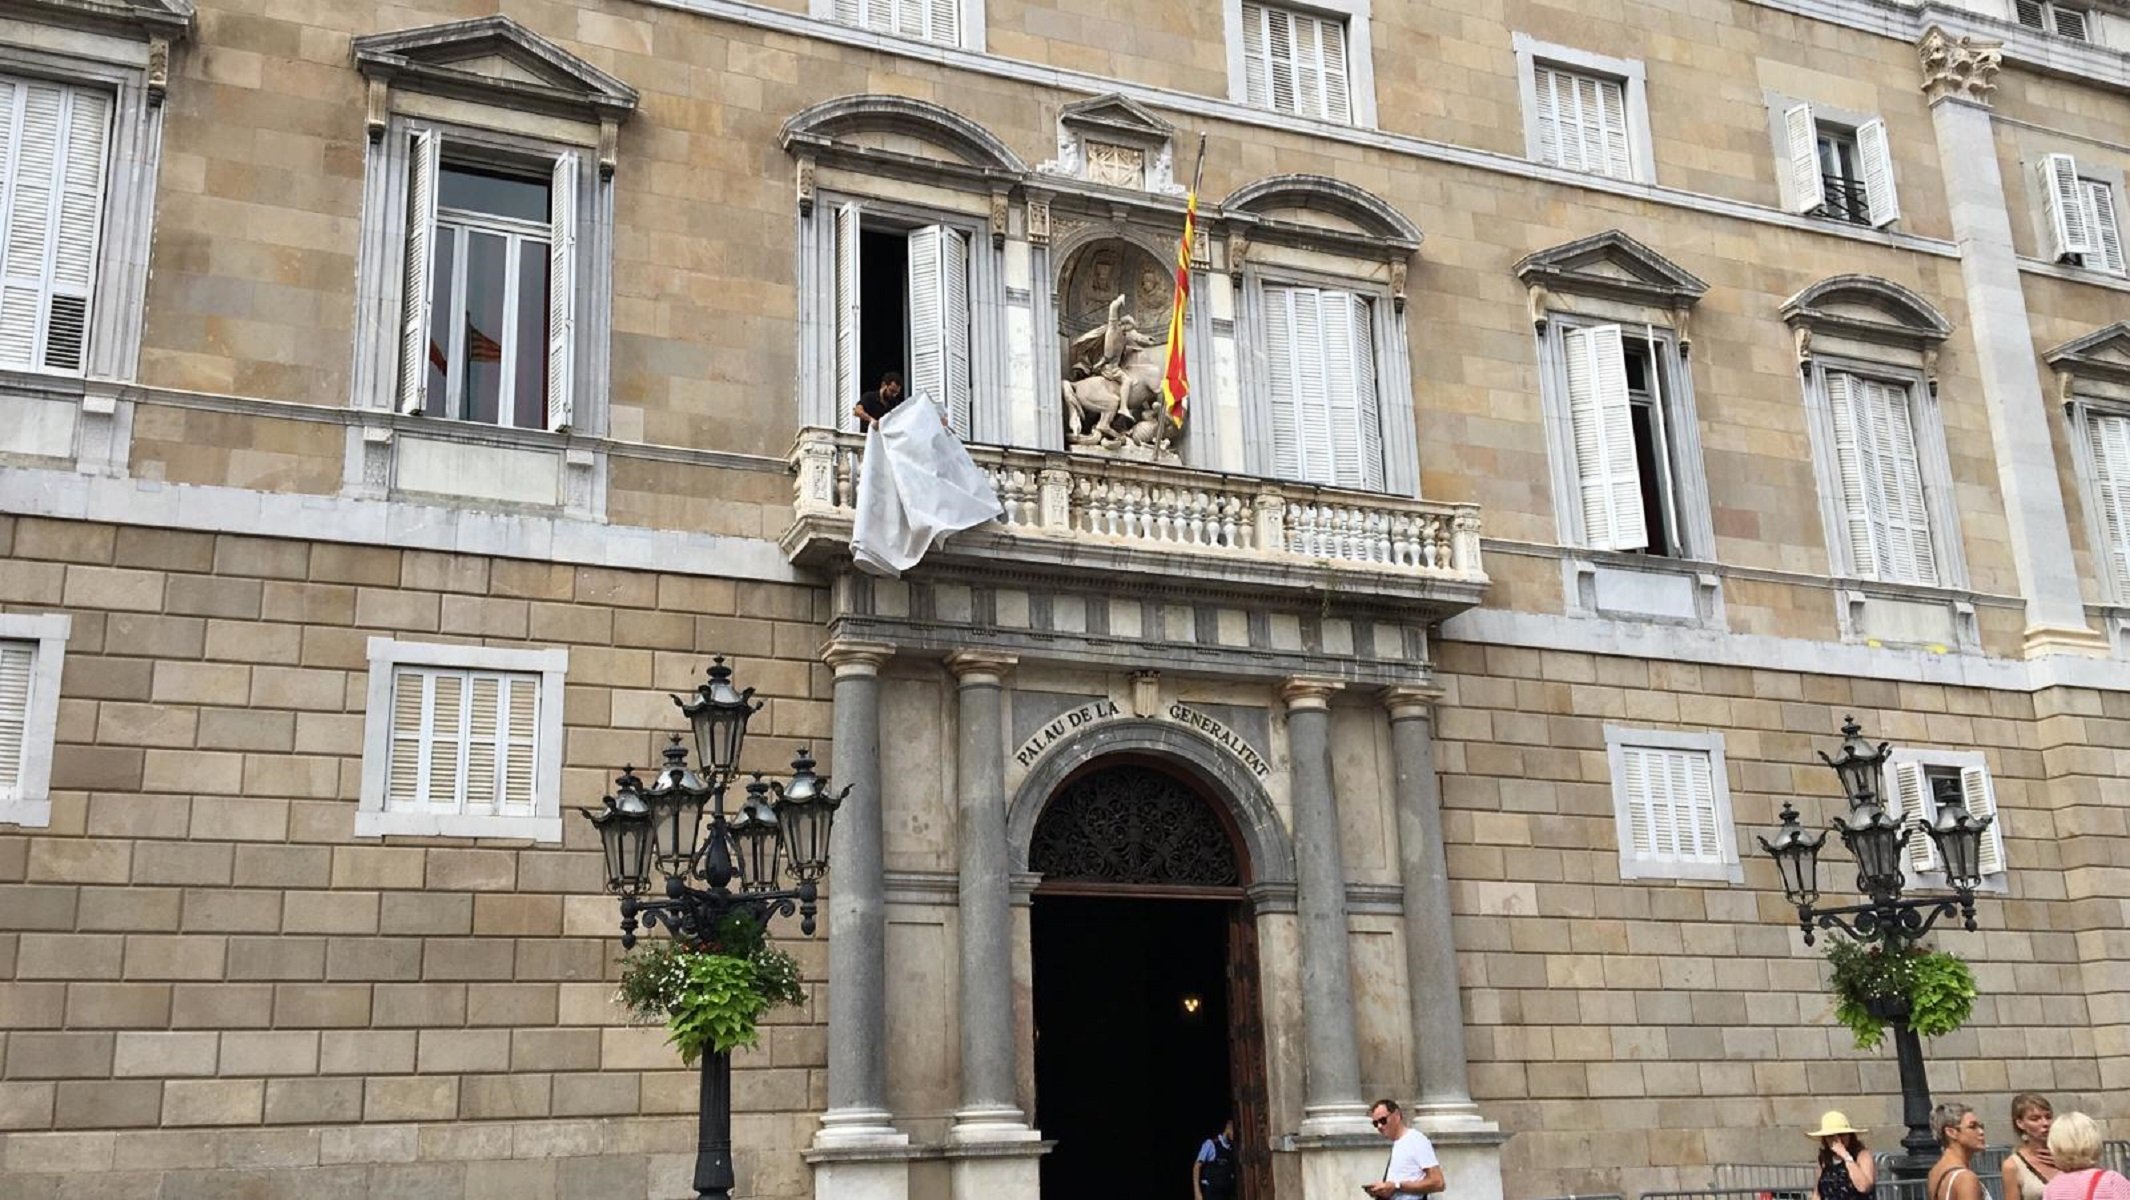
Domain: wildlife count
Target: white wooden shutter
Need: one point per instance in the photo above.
(422, 167)
(848, 386)
(53, 145)
(943, 23)
(1544, 79)
(2068, 22)
(1646, 828)
(850, 12)
(1911, 805)
(1281, 393)
(485, 749)
(1980, 796)
(1612, 127)
(2108, 436)
(1602, 421)
(2030, 14)
(406, 775)
(1808, 189)
(2106, 234)
(1671, 805)
(562, 293)
(1331, 47)
(2066, 205)
(1279, 55)
(939, 321)
(18, 661)
(1298, 369)
(1857, 466)
(1368, 402)
(1354, 419)
(1900, 478)
(519, 730)
(1876, 158)
(1257, 63)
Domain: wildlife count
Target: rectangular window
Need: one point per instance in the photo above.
(2108, 440)
(462, 741)
(1582, 122)
(2082, 225)
(18, 670)
(491, 276)
(902, 306)
(1838, 172)
(1625, 457)
(2053, 18)
(1295, 62)
(1320, 359)
(1882, 497)
(53, 144)
(926, 20)
(1921, 781)
(1672, 803)
(32, 655)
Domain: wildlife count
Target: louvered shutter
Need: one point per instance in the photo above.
(1308, 66)
(1549, 117)
(1671, 805)
(939, 321)
(1980, 796)
(1257, 64)
(18, 661)
(1312, 385)
(485, 749)
(1907, 512)
(850, 12)
(1646, 830)
(1602, 421)
(520, 727)
(405, 774)
(1281, 393)
(2108, 436)
(1910, 804)
(1856, 466)
(562, 293)
(1368, 403)
(1354, 425)
(1876, 156)
(2069, 22)
(848, 386)
(2106, 234)
(1808, 189)
(53, 144)
(2030, 14)
(422, 167)
(944, 25)
(2066, 205)
(444, 786)
(1612, 119)
(1279, 54)
(1331, 39)
(1699, 788)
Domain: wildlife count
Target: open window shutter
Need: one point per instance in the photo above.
(1910, 804)
(562, 293)
(1549, 119)
(1980, 796)
(848, 386)
(2109, 438)
(1342, 388)
(939, 321)
(954, 313)
(1279, 376)
(17, 667)
(1901, 476)
(2107, 235)
(19, 289)
(1603, 424)
(1877, 161)
(405, 773)
(1808, 190)
(1257, 67)
(1612, 116)
(2066, 204)
(1368, 403)
(422, 166)
(1313, 387)
(1853, 464)
(1331, 37)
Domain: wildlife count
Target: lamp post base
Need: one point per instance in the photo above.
(713, 1130)
(1921, 1147)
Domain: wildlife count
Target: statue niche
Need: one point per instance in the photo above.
(1115, 301)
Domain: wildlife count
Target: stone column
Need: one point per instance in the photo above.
(991, 1147)
(857, 913)
(1958, 77)
(1430, 949)
(1331, 1069)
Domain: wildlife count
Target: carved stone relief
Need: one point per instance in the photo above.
(1115, 299)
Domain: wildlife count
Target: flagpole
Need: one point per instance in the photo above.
(1198, 172)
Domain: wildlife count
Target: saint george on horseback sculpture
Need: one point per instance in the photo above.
(1113, 390)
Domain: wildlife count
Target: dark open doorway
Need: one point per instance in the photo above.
(1131, 1053)
(1147, 1023)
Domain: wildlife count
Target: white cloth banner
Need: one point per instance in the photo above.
(916, 485)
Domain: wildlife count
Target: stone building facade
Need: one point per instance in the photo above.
(1593, 405)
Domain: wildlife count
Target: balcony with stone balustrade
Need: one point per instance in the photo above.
(1088, 515)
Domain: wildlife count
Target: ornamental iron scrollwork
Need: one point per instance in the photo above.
(1131, 824)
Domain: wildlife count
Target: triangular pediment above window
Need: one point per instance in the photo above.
(1615, 266)
(2102, 354)
(494, 60)
(147, 18)
(1115, 116)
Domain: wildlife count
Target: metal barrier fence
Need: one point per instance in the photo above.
(1790, 1181)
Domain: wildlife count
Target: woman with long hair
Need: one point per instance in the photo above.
(2029, 1167)
(1847, 1170)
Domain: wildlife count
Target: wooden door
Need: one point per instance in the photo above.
(1246, 1057)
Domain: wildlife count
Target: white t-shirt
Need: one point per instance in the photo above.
(1410, 1157)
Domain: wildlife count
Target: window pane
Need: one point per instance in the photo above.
(530, 400)
(443, 260)
(473, 190)
(482, 321)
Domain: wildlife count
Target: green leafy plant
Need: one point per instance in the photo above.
(1931, 990)
(712, 994)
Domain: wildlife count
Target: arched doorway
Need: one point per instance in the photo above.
(1147, 1016)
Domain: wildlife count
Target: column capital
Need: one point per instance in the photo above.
(1302, 694)
(1959, 68)
(977, 668)
(1410, 703)
(851, 657)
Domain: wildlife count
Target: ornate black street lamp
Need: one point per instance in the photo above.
(1879, 842)
(664, 825)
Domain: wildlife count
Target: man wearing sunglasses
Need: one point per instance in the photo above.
(1414, 1171)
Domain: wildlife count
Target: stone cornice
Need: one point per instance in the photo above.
(142, 18)
(429, 59)
(2088, 357)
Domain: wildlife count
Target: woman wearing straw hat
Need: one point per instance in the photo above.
(1846, 1169)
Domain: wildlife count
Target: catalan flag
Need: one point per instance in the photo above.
(1176, 379)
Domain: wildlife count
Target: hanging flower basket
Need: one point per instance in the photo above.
(1931, 991)
(712, 994)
